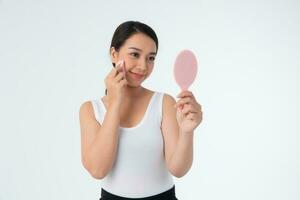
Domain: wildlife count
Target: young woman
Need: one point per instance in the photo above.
(135, 139)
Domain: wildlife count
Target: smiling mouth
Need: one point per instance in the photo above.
(137, 76)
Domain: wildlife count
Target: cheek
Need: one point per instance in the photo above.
(150, 69)
(129, 62)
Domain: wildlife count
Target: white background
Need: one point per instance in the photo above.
(54, 56)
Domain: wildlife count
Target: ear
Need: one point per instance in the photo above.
(113, 55)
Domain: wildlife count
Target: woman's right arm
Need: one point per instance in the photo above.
(99, 142)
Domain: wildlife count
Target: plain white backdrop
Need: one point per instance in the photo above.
(54, 56)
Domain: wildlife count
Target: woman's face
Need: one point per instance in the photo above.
(139, 53)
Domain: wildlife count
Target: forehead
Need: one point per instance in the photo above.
(141, 41)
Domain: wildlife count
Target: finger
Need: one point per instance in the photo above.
(119, 77)
(191, 116)
(123, 82)
(123, 69)
(187, 101)
(185, 94)
(119, 63)
(119, 66)
(112, 73)
(116, 70)
(184, 100)
(188, 108)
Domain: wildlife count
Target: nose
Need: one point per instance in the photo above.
(142, 65)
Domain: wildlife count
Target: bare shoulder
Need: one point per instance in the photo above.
(169, 112)
(86, 108)
(86, 114)
(168, 101)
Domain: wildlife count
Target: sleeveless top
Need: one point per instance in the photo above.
(139, 169)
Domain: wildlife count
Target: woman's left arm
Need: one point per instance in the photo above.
(178, 127)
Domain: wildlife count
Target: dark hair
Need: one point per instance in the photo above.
(126, 30)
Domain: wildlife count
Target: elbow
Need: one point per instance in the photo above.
(178, 174)
(95, 171)
(97, 174)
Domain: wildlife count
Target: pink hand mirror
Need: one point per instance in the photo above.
(185, 69)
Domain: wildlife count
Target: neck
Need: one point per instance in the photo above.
(132, 92)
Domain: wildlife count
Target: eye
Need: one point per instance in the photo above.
(152, 58)
(134, 54)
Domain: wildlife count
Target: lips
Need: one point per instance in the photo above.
(136, 75)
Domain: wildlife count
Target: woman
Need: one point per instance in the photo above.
(135, 139)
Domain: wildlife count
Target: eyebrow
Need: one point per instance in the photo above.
(151, 53)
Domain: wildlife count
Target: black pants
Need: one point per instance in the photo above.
(167, 195)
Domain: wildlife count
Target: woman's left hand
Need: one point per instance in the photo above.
(189, 114)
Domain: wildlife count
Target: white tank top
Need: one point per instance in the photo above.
(139, 169)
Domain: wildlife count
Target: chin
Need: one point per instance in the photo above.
(133, 85)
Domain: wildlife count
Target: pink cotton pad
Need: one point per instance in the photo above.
(185, 69)
(121, 63)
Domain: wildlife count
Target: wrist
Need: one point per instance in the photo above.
(114, 107)
(186, 135)
(186, 132)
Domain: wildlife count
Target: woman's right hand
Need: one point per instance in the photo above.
(115, 82)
